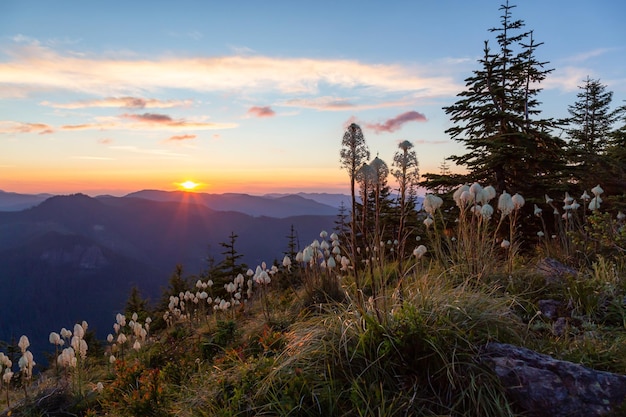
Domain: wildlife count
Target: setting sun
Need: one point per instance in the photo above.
(189, 185)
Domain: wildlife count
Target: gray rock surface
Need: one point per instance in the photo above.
(543, 386)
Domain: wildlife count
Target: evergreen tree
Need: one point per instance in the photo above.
(496, 120)
(615, 184)
(292, 243)
(177, 284)
(589, 129)
(136, 304)
(230, 266)
(342, 223)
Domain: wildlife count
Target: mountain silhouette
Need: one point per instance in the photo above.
(75, 257)
(272, 206)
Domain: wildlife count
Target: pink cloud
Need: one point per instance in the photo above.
(19, 127)
(265, 111)
(397, 122)
(123, 102)
(149, 118)
(105, 141)
(177, 138)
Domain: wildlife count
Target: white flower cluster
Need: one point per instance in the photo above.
(125, 330)
(324, 254)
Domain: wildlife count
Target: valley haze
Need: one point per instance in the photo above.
(68, 258)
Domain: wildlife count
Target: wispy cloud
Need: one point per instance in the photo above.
(391, 125)
(587, 55)
(430, 142)
(567, 78)
(327, 103)
(265, 111)
(165, 121)
(148, 121)
(121, 102)
(93, 158)
(38, 66)
(179, 138)
(19, 127)
(155, 153)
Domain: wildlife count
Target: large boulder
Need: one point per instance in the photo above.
(543, 386)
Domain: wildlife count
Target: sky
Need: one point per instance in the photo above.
(111, 97)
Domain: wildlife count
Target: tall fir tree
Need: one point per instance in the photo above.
(497, 119)
(589, 130)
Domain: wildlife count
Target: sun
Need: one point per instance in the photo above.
(189, 185)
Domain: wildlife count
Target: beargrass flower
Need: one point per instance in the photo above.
(488, 194)
(597, 190)
(518, 201)
(457, 194)
(537, 211)
(548, 199)
(585, 196)
(55, 338)
(428, 221)
(505, 204)
(621, 216)
(8, 375)
(567, 199)
(24, 343)
(431, 203)
(419, 251)
(594, 204)
(486, 211)
(505, 244)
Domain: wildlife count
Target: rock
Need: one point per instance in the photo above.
(554, 271)
(550, 308)
(542, 386)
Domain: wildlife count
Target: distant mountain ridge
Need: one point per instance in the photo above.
(75, 257)
(271, 205)
(279, 206)
(15, 201)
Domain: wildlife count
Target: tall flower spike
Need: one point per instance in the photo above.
(457, 194)
(488, 194)
(594, 204)
(518, 201)
(568, 199)
(419, 251)
(431, 203)
(597, 190)
(486, 211)
(505, 204)
(428, 221)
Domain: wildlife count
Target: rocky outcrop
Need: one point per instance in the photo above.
(542, 386)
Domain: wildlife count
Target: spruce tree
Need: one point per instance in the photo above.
(590, 129)
(496, 118)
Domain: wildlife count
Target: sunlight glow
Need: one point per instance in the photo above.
(189, 185)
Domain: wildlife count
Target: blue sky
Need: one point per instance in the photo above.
(112, 97)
